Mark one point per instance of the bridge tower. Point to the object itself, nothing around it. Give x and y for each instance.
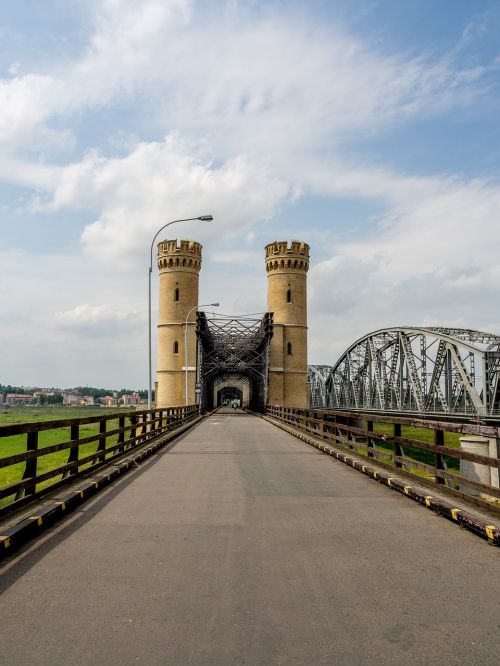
(179, 265)
(286, 267)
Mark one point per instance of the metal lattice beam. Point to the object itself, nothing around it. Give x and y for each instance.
(417, 369)
(316, 378)
(234, 347)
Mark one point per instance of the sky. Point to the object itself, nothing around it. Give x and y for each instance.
(368, 128)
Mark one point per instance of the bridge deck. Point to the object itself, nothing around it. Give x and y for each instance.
(241, 545)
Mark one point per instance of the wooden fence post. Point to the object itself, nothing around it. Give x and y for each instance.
(369, 441)
(121, 435)
(31, 466)
(73, 452)
(398, 449)
(439, 460)
(133, 430)
(101, 447)
(350, 435)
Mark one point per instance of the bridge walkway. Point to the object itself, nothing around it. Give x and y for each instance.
(239, 544)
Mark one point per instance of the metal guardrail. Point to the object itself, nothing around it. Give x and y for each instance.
(492, 418)
(49, 454)
(394, 442)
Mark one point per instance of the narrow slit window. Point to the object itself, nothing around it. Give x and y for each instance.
(176, 347)
(289, 348)
(176, 294)
(289, 296)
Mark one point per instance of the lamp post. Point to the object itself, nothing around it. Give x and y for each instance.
(203, 218)
(206, 305)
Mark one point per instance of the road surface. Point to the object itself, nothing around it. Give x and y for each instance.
(240, 544)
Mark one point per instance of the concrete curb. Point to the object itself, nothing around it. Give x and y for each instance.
(53, 508)
(465, 519)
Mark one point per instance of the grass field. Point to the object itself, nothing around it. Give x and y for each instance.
(451, 439)
(17, 443)
(28, 414)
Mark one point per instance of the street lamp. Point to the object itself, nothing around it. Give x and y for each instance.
(206, 305)
(203, 218)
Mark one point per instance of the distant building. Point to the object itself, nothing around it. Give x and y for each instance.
(43, 392)
(18, 398)
(87, 400)
(130, 399)
(71, 398)
(108, 401)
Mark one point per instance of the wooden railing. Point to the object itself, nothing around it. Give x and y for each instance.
(427, 451)
(38, 457)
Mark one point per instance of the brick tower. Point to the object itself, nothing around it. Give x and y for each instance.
(179, 264)
(286, 268)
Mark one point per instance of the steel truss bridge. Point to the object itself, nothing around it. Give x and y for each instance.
(317, 376)
(234, 349)
(426, 370)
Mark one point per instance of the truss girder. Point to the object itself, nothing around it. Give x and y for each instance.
(492, 371)
(412, 374)
(234, 347)
(466, 385)
(426, 370)
(393, 383)
(378, 376)
(316, 377)
(434, 387)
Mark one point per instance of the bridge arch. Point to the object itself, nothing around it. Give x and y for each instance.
(317, 376)
(230, 387)
(419, 369)
(233, 352)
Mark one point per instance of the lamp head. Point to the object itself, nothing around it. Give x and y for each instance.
(206, 218)
(215, 305)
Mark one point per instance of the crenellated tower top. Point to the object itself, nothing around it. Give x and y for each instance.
(184, 255)
(286, 258)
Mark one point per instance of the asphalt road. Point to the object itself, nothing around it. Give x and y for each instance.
(240, 544)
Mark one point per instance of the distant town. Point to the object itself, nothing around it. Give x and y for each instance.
(79, 396)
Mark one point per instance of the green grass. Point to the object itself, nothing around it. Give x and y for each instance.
(451, 439)
(17, 443)
(29, 414)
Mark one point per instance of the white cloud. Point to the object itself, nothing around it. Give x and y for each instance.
(240, 113)
(120, 59)
(248, 81)
(236, 257)
(98, 319)
(35, 175)
(432, 260)
(57, 329)
(259, 95)
(159, 181)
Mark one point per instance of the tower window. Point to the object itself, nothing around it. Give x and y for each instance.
(176, 294)
(289, 296)
(289, 348)
(176, 347)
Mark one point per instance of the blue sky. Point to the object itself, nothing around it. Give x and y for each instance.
(367, 128)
